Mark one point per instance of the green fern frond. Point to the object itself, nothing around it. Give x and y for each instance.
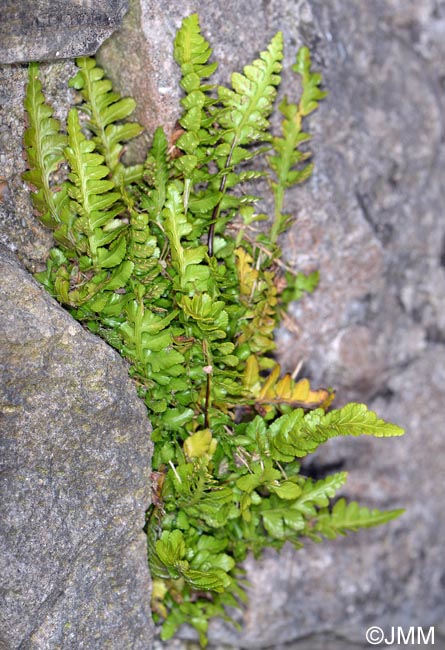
(156, 174)
(280, 521)
(346, 517)
(208, 315)
(148, 343)
(352, 420)
(289, 504)
(311, 81)
(192, 52)
(288, 158)
(249, 103)
(143, 249)
(244, 119)
(260, 296)
(191, 274)
(316, 494)
(94, 199)
(107, 111)
(296, 434)
(45, 146)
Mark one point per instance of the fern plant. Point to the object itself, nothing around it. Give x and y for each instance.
(166, 262)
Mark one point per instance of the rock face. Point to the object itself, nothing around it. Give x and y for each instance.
(371, 220)
(56, 29)
(75, 464)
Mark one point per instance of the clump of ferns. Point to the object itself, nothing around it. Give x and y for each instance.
(145, 257)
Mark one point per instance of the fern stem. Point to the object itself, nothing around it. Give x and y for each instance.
(137, 330)
(217, 208)
(278, 190)
(186, 194)
(207, 404)
(208, 361)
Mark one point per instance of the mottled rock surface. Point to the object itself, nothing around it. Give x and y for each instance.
(75, 468)
(56, 29)
(371, 219)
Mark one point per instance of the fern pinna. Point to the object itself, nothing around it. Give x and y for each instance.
(144, 258)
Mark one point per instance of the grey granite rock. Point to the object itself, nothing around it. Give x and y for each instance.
(371, 219)
(75, 470)
(56, 29)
